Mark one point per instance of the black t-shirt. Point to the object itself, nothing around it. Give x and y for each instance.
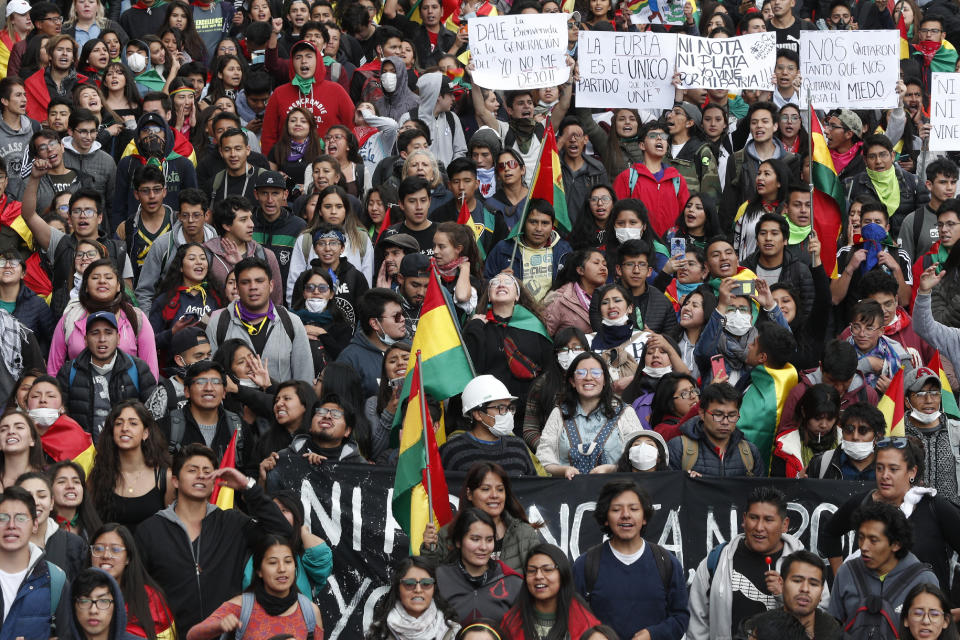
(749, 587)
(424, 237)
(789, 38)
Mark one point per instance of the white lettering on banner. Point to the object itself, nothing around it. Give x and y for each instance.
(744, 62)
(850, 69)
(626, 70)
(945, 112)
(519, 51)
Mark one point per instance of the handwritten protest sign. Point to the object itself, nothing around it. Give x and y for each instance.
(744, 62)
(657, 12)
(621, 69)
(850, 69)
(519, 51)
(945, 112)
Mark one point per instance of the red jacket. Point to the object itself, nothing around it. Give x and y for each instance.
(328, 102)
(580, 619)
(664, 198)
(38, 95)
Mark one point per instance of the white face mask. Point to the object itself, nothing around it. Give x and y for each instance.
(657, 372)
(616, 322)
(44, 416)
(548, 105)
(315, 305)
(925, 418)
(857, 450)
(643, 457)
(247, 382)
(738, 322)
(502, 425)
(388, 81)
(629, 233)
(566, 358)
(137, 62)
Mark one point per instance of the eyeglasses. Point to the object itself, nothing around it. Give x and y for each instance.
(634, 266)
(573, 24)
(722, 417)
(594, 373)
(335, 136)
(508, 164)
(896, 443)
(397, 317)
(920, 394)
(687, 394)
(862, 429)
(862, 330)
(789, 117)
(323, 412)
(327, 243)
(9, 262)
(658, 135)
(565, 350)
(83, 213)
(600, 199)
(59, 19)
(101, 549)
(502, 409)
(315, 288)
(87, 255)
(49, 146)
(546, 570)
(947, 225)
(146, 191)
(19, 518)
(196, 215)
(213, 382)
(101, 603)
(919, 614)
(930, 32)
(85, 132)
(411, 583)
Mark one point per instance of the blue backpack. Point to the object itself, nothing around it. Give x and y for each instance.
(131, 371)
(246, 609)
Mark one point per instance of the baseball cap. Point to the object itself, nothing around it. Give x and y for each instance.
(851, 121)
(915, 379)
(415, 265)
(17, 6)
(102, 315)
(405, 241)
(187, 339)
(270, 179)
(300, 45)
(693, 111)
(151, 119)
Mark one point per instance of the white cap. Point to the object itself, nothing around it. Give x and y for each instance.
(481, 390)
(17, 6)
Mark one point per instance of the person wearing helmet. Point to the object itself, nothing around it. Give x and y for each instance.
(491, 409)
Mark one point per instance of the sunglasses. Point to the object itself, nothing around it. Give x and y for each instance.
(508, 164)
(316, 288)
(397, 317)
(862, 429)
(896, 443)
(411, 583)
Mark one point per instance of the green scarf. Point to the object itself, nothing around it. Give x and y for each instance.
(797, 233)
(522, 318)
(888, 188)
(304, 84)
(941, 257)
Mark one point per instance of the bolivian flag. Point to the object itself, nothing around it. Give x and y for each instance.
(891, 405)
(763, 404)
(413, 505)
(222, 496)
(548, 185)
(447, 7)
(66, 440)
(948, 401)
(446, 365)
(829, 202)
(904, 38)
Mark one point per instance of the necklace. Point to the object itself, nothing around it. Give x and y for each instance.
(136, 478)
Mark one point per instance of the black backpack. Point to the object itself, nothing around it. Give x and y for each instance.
(591, 567)
(223, 323)
(872, 619)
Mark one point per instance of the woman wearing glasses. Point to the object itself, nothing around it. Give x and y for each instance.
(548, 607)
(935, 520)
(412, 609)
(97, 608)
(472, 580)
(113, 550)
(326, 325)
(675, 401)
(590, 427)
(926, 614)
(131, 479)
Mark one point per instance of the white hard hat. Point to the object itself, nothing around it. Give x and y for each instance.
(481, 390)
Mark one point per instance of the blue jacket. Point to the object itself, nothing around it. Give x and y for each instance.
(35, 315)
(708, 463)
(499, 257)
(366, 359)
(29, 615)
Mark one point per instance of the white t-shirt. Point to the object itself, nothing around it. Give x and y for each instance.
(630, 558)
(9, 585)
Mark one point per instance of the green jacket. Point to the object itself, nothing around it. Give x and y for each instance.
(698, 166)
(519, 538)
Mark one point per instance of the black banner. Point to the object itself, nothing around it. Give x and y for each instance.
(349, 507)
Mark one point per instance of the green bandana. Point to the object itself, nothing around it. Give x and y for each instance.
(941, 257)
(304, 84)
(887, 188)
(797, 233)
(328, 60)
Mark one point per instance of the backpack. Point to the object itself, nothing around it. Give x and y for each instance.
(635, 176)
(591, 567)
(246, 610)
(223, 323)
(178, 427)
(691, 451)
(872, 618)
(57, 579)
(131, 372)
(413, 114)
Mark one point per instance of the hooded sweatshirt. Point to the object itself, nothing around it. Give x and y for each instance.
(446, 133)
(158, 259)
(96, 168)
(327, 101)
(399, 103)
(118, 624)
(13, 143)
(179, 172)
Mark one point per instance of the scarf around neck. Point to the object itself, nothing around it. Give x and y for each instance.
(274, 605)
(797, 233)
(304, 84)
(431, 624)
(887, 186)
(296, 150)
(841, 160)
(449, 272)
(254, 322)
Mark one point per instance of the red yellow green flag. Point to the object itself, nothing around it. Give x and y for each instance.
(66, 440)
(948, 401)
(762, 406)
(548, 185)
(222, 496)
(829, 202)
(419, 487)
(891, 405)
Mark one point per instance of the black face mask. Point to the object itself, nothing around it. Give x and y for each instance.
(153, 146)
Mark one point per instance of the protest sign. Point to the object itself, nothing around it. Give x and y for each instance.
(621, 69)
(657, 12)
(349, 506)
(945, 112)
(744, 62)
(850, 69)
(519, 51)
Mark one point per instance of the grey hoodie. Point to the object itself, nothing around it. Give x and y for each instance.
(402, 100)
(118, 624)
(446, 142)
(13, 145)
(158, 259)
(96, 169)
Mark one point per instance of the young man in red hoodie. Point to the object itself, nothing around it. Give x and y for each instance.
(310, 89)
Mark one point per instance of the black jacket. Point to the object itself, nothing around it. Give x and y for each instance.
(226, 423)
(913, 194)
(197, 578)
(79, 397)
(68, 551)
(657, 312)
(35, 314)
(794, 273)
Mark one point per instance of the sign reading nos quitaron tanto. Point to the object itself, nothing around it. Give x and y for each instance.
(850, 69)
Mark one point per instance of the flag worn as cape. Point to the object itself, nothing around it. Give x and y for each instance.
(891, 405)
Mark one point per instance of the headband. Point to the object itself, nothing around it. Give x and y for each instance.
(333, 233)
(480, 625)
(182, 90)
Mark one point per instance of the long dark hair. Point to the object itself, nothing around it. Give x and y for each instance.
(85, 50)
(573, 262)
(569, 399)
(663, 403)
(461, 527)
(192, 42)
(263, 545)
(783, 177)
(385, 391)
(711, 225)
(642, 383)
(278, 154)
(134, 579)
(475, 475)
(35, 457)
(299, 302)
(353, 145)
(217, 89)
(106, 470)
(87, 518)
(950, 633)
(551, 380)
(584, 234)
(173, 277)
(613, 157)
(121, 303)
(524, 610)
(649, 235)
(130, 92)
(378, 628)
(291, 502)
